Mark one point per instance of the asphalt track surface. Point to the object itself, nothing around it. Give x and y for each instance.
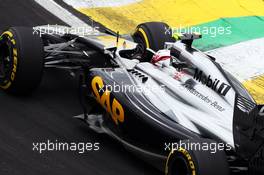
(47, 115)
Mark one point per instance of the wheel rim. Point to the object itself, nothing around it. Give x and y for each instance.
(180, 167)
(5, 60)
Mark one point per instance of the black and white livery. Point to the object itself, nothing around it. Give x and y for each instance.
(151, 91)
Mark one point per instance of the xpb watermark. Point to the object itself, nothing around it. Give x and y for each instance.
(80, 147)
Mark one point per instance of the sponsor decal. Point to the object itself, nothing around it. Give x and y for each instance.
(107, 100)
(219, 87)
(206, 99)
(14, 70)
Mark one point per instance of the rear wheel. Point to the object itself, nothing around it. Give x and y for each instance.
(193, 161)
(21, 60)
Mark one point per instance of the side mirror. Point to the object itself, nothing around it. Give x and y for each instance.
(187, 38)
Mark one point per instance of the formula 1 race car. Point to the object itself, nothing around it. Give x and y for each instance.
(165, 101)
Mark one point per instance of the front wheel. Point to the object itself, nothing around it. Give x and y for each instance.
(152, 35)
(21, 60)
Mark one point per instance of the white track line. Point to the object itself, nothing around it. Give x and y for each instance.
(62, 13)
(244, 60)
(99, 3)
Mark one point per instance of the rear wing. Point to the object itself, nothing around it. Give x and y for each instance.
(248, 127)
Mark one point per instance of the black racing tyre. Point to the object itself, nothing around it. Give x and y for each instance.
(187, 161)
(153, 35)
(21, 60)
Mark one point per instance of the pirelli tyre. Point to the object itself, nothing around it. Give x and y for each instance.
(21, 60)
(153, 35)
(192, 160)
